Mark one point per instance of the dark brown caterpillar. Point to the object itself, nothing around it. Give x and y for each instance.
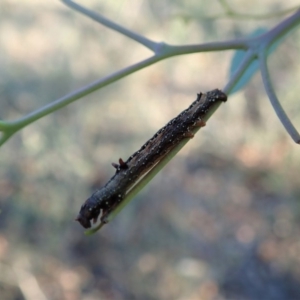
(128, 173)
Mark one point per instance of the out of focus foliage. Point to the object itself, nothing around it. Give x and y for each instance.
(222, 221)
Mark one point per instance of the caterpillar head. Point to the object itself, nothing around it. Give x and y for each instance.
(86, 214)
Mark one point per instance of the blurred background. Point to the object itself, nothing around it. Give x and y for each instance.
(221, 221)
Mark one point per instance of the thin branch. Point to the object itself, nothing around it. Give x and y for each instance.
(237, 44)
(165, 51)
(155, 46)
(277, 32)
(274, 100)
(112, 25)
(3, 125)
(61, 102)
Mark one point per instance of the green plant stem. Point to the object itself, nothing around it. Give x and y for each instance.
(266, 40)
(165, 52)
(274, 100)
(112, 25)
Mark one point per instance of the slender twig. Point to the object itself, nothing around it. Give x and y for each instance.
(165, 51)
(281, 29)
(274, 100)
(112, 25)
(3, 125)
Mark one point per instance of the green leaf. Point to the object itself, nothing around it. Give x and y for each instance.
(254, 66)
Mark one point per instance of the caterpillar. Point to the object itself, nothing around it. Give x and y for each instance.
(130, 171)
